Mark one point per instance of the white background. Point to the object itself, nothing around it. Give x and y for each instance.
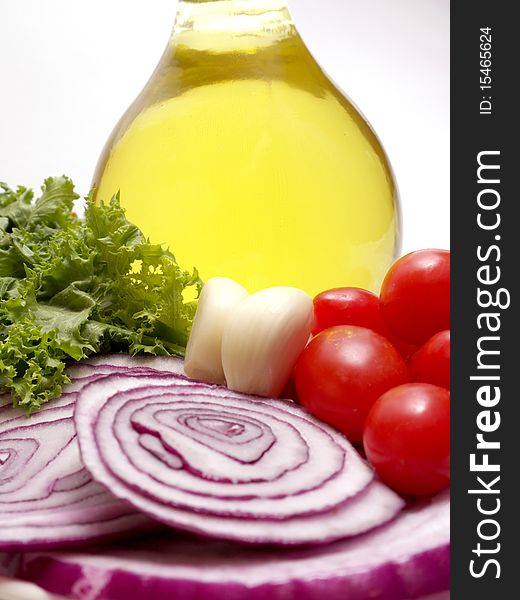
(68, 69)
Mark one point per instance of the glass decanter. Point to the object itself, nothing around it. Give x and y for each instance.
(243, 156)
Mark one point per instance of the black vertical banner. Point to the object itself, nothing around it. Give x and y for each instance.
(485, 200)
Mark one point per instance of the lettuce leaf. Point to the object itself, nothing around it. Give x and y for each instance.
(72, 287)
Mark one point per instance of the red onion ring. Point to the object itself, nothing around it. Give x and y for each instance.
(47, 498)
(408, 558)
(252, 470)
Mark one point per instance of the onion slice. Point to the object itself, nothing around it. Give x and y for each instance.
(105, 364)
(47, 498)
(405, 559)
(223, 464)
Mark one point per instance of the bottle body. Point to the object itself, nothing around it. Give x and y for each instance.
(244, 158)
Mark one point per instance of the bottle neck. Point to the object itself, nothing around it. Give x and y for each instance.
(231, 25)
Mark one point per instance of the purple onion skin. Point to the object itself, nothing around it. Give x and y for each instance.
(406, 559)
(9, 564)
(392, 581)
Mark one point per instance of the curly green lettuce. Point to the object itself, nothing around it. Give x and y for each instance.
(72, 287)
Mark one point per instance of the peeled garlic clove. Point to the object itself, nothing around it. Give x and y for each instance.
(264, 338)
(217, 303)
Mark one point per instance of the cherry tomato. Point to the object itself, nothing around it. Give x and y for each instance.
(348, 306)
(415, 295)
(407, 438)
(343, 371)
(354, 306)
(431, 363)
(404, 348)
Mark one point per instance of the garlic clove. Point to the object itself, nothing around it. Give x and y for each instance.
(264, 338)
(218, 301)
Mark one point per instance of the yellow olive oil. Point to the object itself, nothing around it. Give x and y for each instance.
(243, 157)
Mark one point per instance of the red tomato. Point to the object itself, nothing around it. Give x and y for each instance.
(431, 363)
(347, 306)
(404, 348)
(354, 306)
(415, 295)
(407, 438)
(343, 371)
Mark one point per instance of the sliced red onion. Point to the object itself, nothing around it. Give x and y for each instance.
(405, 559)
(47, 498)
(113, 363)
(9, 564)
(50, 499)
(226, 465)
